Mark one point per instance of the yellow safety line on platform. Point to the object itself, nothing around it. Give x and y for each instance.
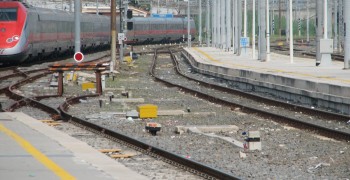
(37, 154)
(277, 70)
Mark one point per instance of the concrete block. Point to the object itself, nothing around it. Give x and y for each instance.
(128, 100)
(171, 112)
(54, 84)
(132, 113)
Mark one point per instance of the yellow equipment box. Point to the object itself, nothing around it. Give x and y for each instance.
(89, 85)
(147, 111)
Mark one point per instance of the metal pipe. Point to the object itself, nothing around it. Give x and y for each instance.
(267, 31)
(347, 34)
(208, 24)
(113, 36)
(228, 24)
(253, 30)
(200, 22)
(77, 42)
(291, 50)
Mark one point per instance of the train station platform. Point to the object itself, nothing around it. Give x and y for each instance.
(29, 149)
(301, 82)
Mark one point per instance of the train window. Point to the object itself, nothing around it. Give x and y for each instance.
(8, 14)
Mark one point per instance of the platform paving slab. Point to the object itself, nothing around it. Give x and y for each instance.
(76, 157)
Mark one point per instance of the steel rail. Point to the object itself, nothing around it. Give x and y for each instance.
(161, 154)
(331, 133)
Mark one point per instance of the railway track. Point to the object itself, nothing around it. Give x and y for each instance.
(325, 131)
(61, 113)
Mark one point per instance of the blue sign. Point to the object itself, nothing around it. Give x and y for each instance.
(244, 42)
(162, 15)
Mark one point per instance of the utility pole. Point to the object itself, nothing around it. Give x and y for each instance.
(287, 20)
(113, 36)
(70, 5)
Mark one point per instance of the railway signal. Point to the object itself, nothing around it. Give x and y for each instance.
(78, 57)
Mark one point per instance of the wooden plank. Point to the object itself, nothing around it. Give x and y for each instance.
(109, 150)
(53, 124)
(47, 120)
(122, 155)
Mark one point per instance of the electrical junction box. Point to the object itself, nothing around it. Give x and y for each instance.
(147, 111)
(326, 46)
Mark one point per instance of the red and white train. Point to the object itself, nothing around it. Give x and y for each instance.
(28, 32)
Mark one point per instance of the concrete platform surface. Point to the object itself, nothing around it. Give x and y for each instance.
(324, 86)
(29, 149)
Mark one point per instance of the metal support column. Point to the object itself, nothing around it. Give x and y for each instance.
(233, 26)
(329, 19)
(262, 31)
(239, 25)
(98, 82)
(319, 30)
(97, 7)
(208, 24)
(287, 20)
(113, 36)
(200, 23)
(218, 22)
(223, 25)
(188, 25)
(60, 83)
(228, 25)
(267, 31)
(308, 21)
(253, 30)
(335, 42)
(77, 42)
(214, 27)
(341, 26)
(245, 19)
(291, 41)
(347, 34)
